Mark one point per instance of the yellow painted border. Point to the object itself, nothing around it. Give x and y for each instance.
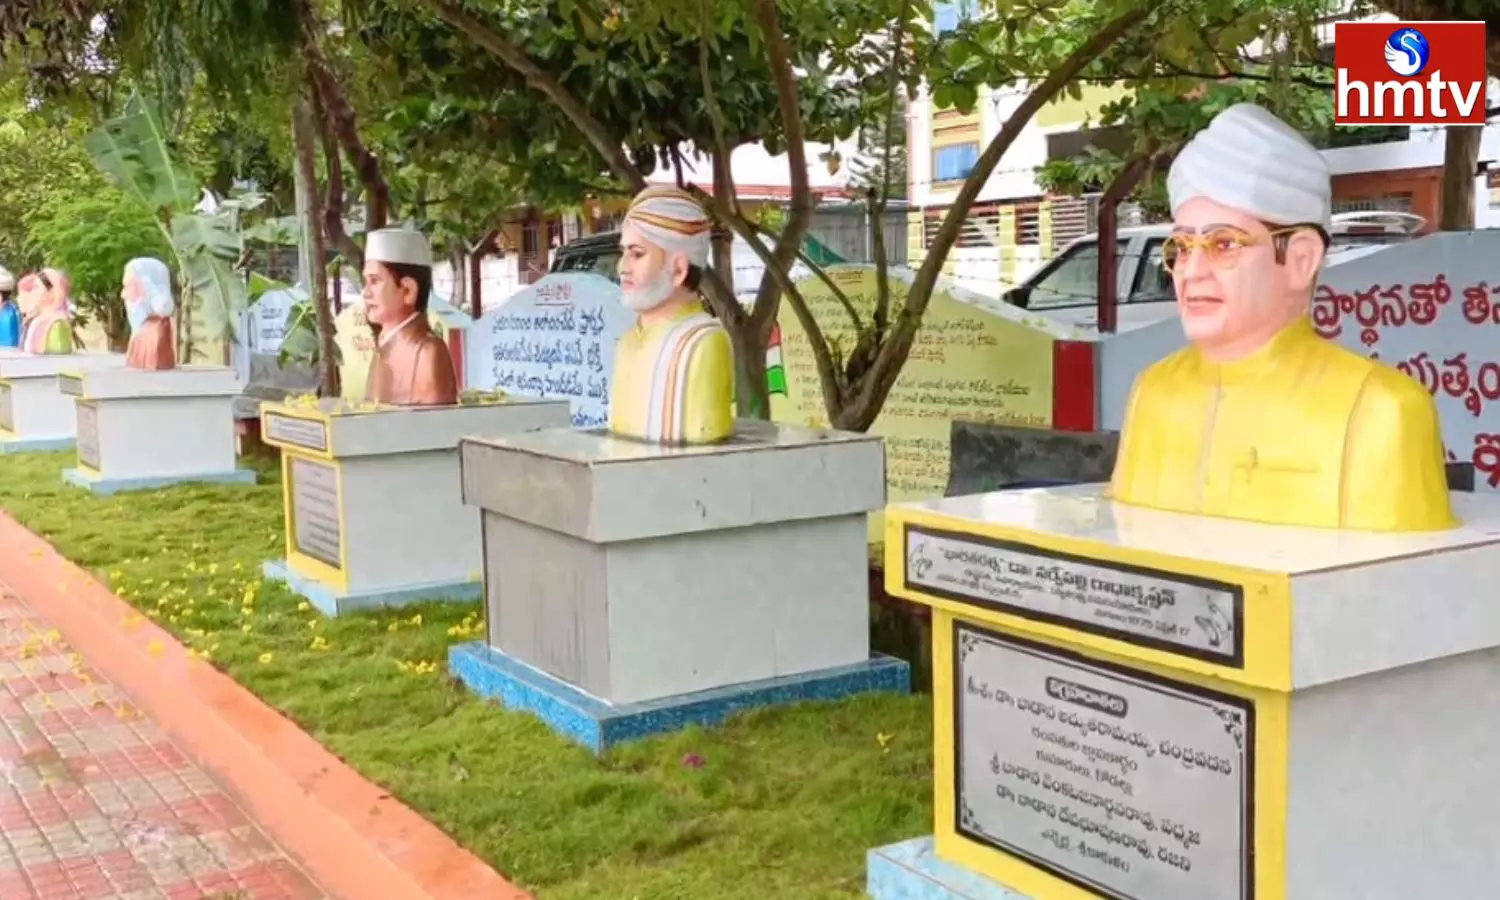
(1269, 788)
(1267, 615)
(302, 564)
(297, 412)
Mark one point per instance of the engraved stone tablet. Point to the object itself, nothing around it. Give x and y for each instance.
(88, 435)
(70, 385)
(297, 432)
(7, 410)
(315, 510)
(1182, 614)
(1133, 787)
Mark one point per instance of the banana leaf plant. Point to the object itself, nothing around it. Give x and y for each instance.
(300, 343)
(132, 150)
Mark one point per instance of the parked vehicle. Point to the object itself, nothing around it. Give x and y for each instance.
(1067, 287)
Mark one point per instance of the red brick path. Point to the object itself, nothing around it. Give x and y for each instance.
(97, 803)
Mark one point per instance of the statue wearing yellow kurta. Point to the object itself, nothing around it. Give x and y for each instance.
(674, 371)
(1259, 418)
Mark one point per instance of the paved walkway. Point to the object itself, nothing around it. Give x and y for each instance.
(97, 803)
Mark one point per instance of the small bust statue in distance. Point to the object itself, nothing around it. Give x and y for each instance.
(46, 313)
(412, 366)
(674, 370)
(1259, 418)
(147, 292)
(10, 313)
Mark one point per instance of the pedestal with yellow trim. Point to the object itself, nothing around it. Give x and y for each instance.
(139, 429)
(34, 415)
(1144, 705)
(374, 512)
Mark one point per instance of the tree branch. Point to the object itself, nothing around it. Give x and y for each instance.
(799, 213)
(893, 352)
(722, 150)
(608, 146)
(340, 115)
(881, 317)
(333, 210)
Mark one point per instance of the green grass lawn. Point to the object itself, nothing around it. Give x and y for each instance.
(778, 803)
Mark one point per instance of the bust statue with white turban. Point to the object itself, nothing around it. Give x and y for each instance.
(147, 292)
(1259, 418)
(411, 366)
(674, 371)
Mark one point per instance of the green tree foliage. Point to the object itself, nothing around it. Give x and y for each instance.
(91, 238)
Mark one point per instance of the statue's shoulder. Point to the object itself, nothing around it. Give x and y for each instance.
(1395, 394)
(1176, 365)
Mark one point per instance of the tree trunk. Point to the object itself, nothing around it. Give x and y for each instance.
(304, 136)
(1460, 169)
(458, 256)
(752, 394)
(339, 113)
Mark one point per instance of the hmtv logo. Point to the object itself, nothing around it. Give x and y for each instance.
(1409, 73)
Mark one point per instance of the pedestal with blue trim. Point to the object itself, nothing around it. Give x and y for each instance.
(632, 588)
(35, 417)
(374, 514)
(142, 429)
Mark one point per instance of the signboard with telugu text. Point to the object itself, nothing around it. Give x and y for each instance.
(974, 359)
(1431, 308)
(553, 339)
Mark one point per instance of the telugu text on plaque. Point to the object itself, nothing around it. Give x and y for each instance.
(1191, 616)
(7, 410)
(1135, 788)
(307, 433)
(315, 510)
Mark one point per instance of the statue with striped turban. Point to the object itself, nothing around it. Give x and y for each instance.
(674, 371)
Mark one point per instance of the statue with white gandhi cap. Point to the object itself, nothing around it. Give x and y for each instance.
(674, 371)
(412, 366)
(1259, 418)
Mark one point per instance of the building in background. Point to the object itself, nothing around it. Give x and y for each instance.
(1015, 226)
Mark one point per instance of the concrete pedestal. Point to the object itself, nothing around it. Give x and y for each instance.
(140, 429)
(34, 415)
(1152, 706)
(374, 515)
(633, 588)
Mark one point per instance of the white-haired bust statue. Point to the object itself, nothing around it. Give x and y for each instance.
(147, 292)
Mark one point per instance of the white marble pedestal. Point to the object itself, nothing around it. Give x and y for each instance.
(633, 588)
(34, 415)
(141, 429)
(1153, 706)
(374, 513)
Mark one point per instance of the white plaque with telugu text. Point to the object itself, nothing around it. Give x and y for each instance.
(316, 530)
(1128, 785)
(7, 409)
(1191, 616)
(88, 434)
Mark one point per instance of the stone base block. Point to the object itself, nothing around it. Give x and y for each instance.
(105, 486)
(17, 444)
(332, 602)
(598, 725)
(911, 870)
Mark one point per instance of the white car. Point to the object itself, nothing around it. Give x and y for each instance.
(1067, 287)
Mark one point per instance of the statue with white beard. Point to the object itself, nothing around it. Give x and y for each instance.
(674, 371)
